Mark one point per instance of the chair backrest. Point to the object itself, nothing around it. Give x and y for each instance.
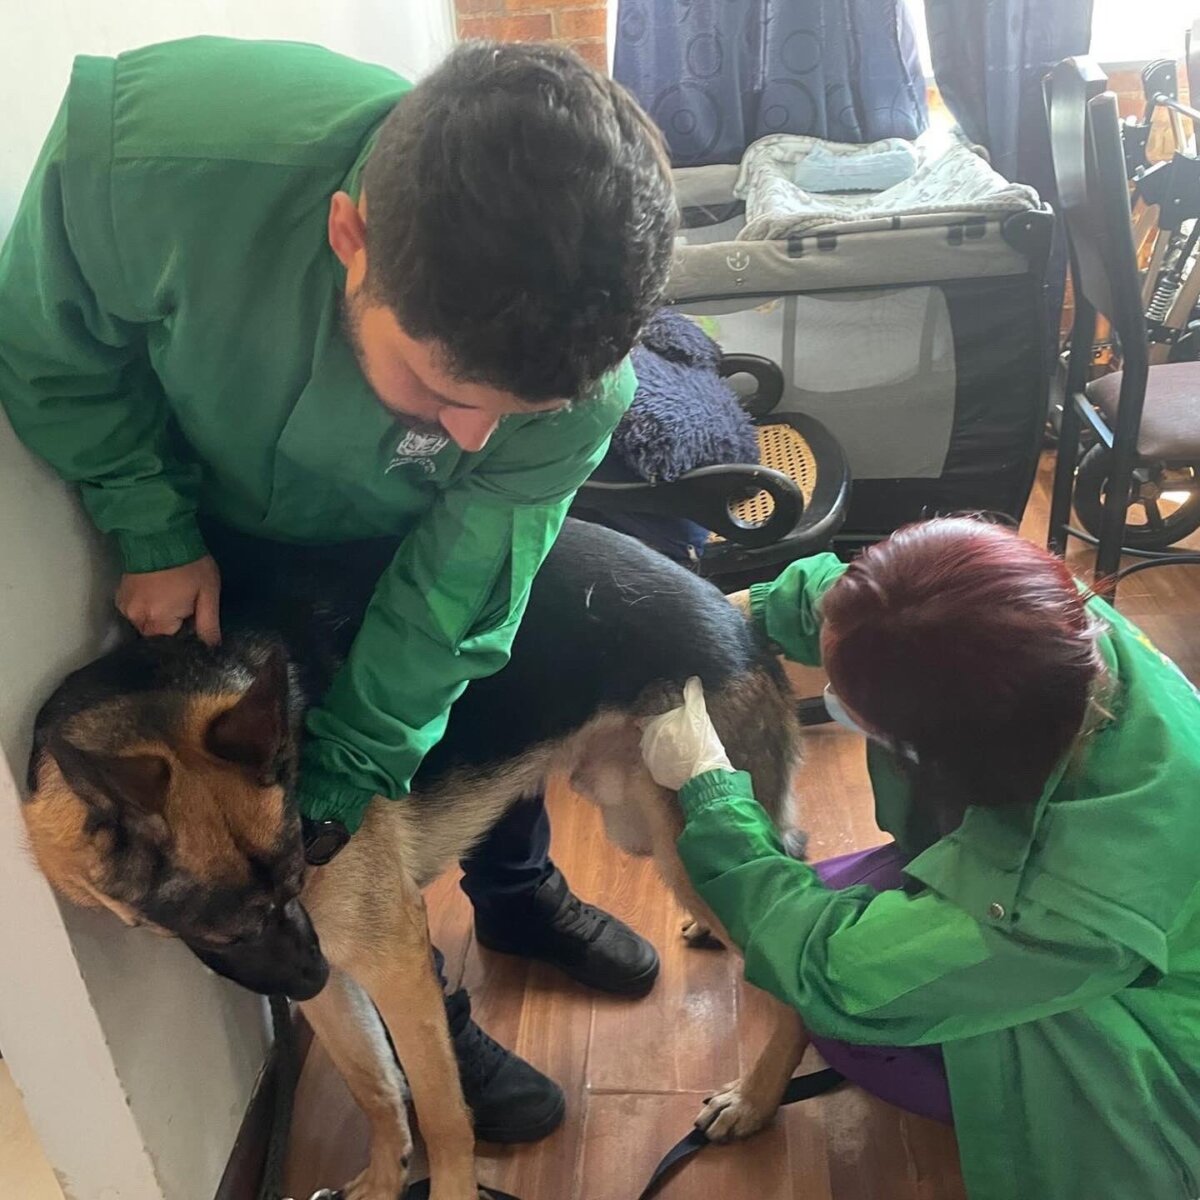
(1192, 50)
(1093, 193)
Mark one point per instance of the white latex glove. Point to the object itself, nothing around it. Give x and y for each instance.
(740, 601)
(682, 743)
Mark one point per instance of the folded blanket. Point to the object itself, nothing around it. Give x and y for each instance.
(684, 415)
(672, 336)
(949, 178)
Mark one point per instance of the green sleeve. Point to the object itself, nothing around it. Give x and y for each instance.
(883, 968)
(76, 381)
(787, 609)
(447, 609)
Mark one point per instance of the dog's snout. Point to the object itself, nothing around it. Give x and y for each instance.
(303, 950)
(284, 959)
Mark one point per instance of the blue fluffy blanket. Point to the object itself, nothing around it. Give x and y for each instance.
(684, 414)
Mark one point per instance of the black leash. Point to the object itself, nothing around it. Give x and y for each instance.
(417, 1191)
(287, 1073)
(420, 1191)
(286, 1068)
(802, 1087)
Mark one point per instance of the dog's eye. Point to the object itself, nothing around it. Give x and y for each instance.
(220, 940)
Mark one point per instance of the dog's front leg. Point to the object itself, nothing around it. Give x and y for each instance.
(746, 1106)
(345, 1020)
(394, 963)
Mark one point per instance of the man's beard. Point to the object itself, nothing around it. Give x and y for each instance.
(350, 312)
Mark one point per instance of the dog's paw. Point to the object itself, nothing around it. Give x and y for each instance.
(730, 1115)
(700, 937)
(380, 1181)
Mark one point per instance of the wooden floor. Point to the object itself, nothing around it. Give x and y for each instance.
(636, 1072)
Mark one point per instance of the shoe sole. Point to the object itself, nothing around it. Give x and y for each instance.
(534, 1133)
(636, 985)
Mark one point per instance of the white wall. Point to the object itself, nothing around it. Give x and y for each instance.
(135, 1062)
(39, 38)
(1126, 32)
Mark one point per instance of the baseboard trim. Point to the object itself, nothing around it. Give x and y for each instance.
(243, 1171)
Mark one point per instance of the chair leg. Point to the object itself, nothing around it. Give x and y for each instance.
(1079, 358)
(1116, 507)
(811, 710)
(1064, 478)
(1126, 428)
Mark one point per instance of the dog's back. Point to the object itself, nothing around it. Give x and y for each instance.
(613, 627)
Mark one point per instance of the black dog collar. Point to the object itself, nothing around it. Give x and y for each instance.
(323, 840)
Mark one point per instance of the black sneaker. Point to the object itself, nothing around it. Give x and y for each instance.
(590, 946)
(509, 1100)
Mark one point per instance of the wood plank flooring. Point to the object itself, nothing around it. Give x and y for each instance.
(636, 1072)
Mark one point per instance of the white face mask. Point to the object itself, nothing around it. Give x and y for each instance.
(837, 710)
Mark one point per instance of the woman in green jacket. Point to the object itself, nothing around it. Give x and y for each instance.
(1024, 957)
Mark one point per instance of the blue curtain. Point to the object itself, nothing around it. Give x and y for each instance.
(989, 57)
(717, 74)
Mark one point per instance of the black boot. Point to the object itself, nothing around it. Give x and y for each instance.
(590, 946)
(509, 1100)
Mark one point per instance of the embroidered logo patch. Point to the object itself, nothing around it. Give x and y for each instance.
(418, 449)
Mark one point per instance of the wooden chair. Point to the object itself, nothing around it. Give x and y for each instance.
(762, 516)
(1148, 419)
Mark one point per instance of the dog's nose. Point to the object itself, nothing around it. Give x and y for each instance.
(285, 959)
(300, 952)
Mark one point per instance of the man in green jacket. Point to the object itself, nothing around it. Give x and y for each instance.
(1024, 958)
(262, 286)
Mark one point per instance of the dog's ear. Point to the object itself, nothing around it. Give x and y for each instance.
(253, 731)
(114, 782)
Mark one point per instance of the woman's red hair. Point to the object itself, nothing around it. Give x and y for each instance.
(970, 645)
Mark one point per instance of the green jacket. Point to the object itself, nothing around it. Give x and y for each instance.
(170, 341)
(1053, 950)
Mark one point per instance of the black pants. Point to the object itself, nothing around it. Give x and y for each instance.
(506, 868)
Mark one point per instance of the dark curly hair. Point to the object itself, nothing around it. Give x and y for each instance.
(520, 213)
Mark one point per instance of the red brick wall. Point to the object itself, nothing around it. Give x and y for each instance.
(1127, 84)
(580, 24)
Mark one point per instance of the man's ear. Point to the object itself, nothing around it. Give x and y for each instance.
(347, 229)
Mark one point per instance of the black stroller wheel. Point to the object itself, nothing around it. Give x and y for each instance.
(1162, 511)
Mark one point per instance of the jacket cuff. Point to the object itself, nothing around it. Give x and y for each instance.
(712, 788)
(759, 594)
(142, 552)
(321, 798)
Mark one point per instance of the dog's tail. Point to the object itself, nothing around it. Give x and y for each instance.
(756, 719)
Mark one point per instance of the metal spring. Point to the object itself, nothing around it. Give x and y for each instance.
(1160, 302)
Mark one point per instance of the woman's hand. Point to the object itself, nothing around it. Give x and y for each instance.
(156, 603)
(682, 743)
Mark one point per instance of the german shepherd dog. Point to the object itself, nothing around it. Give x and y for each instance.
(161, 778)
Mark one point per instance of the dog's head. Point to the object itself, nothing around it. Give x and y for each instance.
(171, 809)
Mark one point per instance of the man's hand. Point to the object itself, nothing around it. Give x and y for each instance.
(156, 603)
